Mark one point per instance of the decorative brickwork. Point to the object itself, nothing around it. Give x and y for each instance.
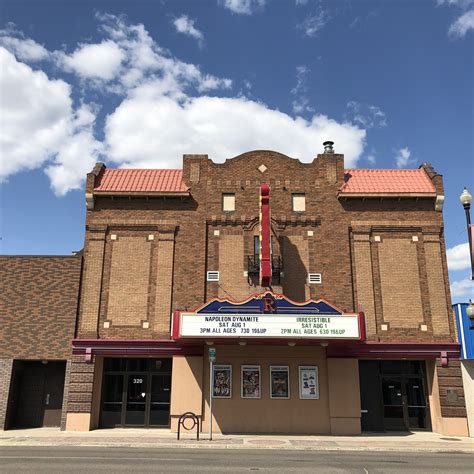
(435, 278)
(232, 283)
(129, 279)
(80, 386)
(364, 281)
(451, 392)
(67, 379)
(38, 306)
(400, 281)
(5, 377)
(164, 283)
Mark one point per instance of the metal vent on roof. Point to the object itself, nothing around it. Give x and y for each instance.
(212, 276)
(314, 278)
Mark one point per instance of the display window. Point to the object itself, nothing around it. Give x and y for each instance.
(309, 383)
(250, 381)
(279, 382)
(222, 381)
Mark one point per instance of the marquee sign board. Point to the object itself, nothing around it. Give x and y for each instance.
(268, 316)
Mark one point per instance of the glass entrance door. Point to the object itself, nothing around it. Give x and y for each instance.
(404, 402)
(136, 392)
(393, 404)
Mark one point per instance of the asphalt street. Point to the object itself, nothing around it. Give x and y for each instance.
(85, 459)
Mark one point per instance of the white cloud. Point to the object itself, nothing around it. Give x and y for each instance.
(366, 115)
(95, 61)
(458, 257)
(301, 103)
(144, 133)
(25, 49)
(314, 22)
(185, 25)
(38, 123)
(371, 159)
(458, 3)
(165, 111)
(243, 7)
(462, 25)
(403, 158)
(462, 290)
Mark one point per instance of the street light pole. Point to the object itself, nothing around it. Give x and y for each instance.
(466, 200)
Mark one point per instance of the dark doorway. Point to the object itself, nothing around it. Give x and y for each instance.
(393, 396)
(36, 394)
(136, 392)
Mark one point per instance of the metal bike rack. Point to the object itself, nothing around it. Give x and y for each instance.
(189, 415)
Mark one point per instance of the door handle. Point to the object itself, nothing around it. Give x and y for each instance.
(47, 398)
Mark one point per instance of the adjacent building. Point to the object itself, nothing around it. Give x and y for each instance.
(323, 290)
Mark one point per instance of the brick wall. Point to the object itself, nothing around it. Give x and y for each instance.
(5, 377)
(38, 306)
(451, 392)
(129, 280)
(387, 279)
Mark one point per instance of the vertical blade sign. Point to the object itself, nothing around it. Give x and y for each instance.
(265, 251)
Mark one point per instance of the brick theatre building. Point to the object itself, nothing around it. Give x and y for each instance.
(323, 290)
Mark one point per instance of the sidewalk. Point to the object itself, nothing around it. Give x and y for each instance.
(156, 438)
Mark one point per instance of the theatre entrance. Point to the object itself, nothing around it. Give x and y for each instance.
(393, 396)
(136, 393)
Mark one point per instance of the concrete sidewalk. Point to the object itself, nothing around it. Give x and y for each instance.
(160, 438)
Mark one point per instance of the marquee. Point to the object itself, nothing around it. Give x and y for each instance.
(268, 316)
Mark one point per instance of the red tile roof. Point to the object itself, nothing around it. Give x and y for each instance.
(141, 180)
(359, 181)
(380, 181)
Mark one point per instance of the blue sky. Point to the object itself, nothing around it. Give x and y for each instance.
(140, 83)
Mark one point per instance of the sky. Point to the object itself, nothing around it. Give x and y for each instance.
(140, 83)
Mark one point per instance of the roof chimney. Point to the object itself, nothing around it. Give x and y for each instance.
(328, 147)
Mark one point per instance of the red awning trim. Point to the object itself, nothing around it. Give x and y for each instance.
(154, 347)
(396, 350)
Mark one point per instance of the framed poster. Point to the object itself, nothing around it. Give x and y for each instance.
(279, 381)
(222, 381)
(250, 381)
(309, 383)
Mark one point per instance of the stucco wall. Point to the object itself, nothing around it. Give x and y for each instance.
(293, 415)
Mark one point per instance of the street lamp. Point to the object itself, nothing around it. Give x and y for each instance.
(466, 199)
(470, 313)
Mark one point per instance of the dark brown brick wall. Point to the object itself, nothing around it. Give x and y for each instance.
(451, 392)
(5, 377)
(38, 306)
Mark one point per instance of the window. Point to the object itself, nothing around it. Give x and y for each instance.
(299, 202)
(228, 202)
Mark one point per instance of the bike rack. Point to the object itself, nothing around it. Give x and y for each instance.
(189, 415)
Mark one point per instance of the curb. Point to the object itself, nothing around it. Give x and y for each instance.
(450, 449)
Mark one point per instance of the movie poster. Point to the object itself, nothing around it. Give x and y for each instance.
(309, 385)
(279, 382)
(250, 382)
(222, 382)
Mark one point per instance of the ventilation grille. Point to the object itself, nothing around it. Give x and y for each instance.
(314, 278)
(212, 276)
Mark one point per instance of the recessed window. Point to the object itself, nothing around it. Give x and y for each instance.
(228, 202)
(299, 202)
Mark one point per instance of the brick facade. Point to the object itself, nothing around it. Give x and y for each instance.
(38, 311)
(147, 256)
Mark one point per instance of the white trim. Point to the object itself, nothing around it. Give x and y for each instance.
(461, 326)
(280, 368)
(244, 367)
